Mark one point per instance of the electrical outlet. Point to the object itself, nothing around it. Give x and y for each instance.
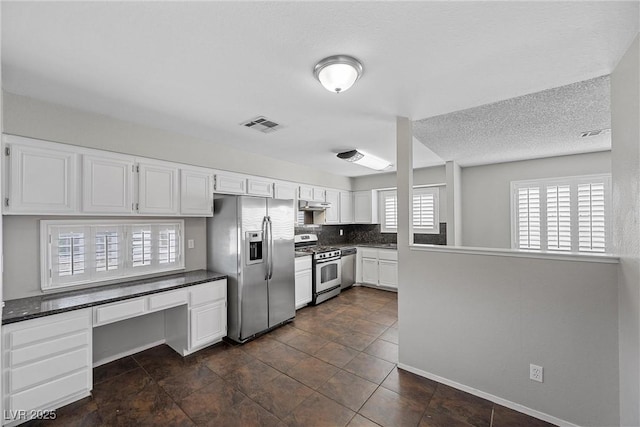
(191, 244)
(536, 373)
(341, 232)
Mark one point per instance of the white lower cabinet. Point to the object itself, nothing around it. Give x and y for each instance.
(207, 324)
(303, 281)
(47, 363)
(379, 267)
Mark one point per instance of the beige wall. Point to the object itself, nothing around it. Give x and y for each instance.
(486, 201)
(625, 159)
(38, 119)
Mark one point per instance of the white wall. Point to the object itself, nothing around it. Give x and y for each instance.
(21, 274)
(486, 210)
(625, 159)
(38, 119)
(480, 320)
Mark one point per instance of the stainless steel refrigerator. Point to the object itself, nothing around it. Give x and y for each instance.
(250, 239)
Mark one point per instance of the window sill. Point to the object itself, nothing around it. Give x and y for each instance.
(579, 257)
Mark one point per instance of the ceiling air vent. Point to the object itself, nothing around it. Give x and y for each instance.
(262, 124)
(595, 132)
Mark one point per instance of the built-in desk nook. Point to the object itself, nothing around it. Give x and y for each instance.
(48, 341)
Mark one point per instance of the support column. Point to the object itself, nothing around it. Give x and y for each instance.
(404, 177)
(454, 203)
(625, 174)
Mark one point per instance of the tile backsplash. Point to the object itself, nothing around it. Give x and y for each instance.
(366, 233)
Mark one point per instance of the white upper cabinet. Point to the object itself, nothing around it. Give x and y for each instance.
(319, 194)
(196, 192)
(305, 193)
(107, 184)
(42, 176)
(285, 190)
(365, 207)
(259, 187)
(332, 213)
(346, 207)
(230, 183)
(157, 188)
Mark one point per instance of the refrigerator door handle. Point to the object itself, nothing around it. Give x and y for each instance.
(265, 245)
(270, 247)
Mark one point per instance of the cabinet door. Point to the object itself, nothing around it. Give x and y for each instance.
(230, 184)
(303, 288)
(196, 194)
(256, 187)
(107, 184)
(365, 207)
(305, 193)
(285, 191)
(208, 324)
(42, 180)
(157, 189)
(370, 271)
(388, 273)
(332, 213)
(346, 207)
(319, 195)
(362, 207)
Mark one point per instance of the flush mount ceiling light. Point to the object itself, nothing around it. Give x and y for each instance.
(363, 159)
(338, 73)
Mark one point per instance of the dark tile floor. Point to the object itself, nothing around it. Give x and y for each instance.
(335, 365)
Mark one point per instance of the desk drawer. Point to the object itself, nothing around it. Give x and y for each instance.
(118, 311)
(44, 349)
(31, 331)
(167, 299)
(46, 394)
(36, 373)
(208, 292)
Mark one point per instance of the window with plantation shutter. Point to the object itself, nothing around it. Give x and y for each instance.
(80, 252)
(529, 218)
(562, 214)
(424, 210)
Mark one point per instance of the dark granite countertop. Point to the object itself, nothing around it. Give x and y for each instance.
(369, 245)
(44, 305)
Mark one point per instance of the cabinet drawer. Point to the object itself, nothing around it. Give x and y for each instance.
(167, 299)
(368, 252)
(388, 255)
(51, 392)
(209, 292)
(119, 311)
(61, 324)
(42, 350)
(303, 263)
(35, 373)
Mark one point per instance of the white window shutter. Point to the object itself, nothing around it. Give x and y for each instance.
(390, 210)
(529, 218)
(591, 217)
(559, 217)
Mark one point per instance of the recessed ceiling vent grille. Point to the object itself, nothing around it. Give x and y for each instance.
(596, 132)
(262, 124)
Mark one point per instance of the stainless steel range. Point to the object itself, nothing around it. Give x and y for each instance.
(326, 267)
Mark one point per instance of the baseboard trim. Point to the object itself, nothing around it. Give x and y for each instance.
(495, 399)
(127, 353)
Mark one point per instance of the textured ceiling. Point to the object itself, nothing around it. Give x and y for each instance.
(542, 124)
(201, 68)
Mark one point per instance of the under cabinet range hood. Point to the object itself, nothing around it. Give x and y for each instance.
(309, 206)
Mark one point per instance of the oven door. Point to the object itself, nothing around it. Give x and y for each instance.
(328, 274)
